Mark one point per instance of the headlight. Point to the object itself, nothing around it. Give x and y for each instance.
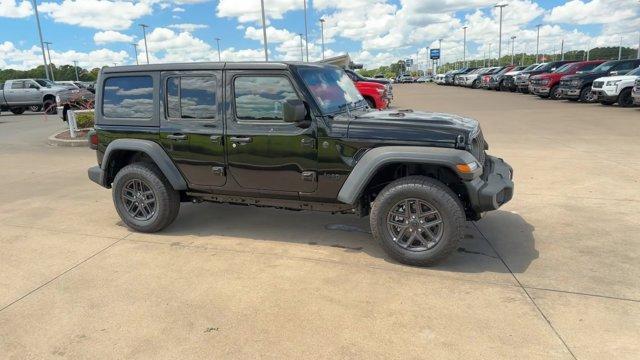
(613, 82)
(576, 82)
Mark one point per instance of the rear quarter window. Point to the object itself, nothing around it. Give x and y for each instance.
(128, 97)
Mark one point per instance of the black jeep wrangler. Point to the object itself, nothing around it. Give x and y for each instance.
(295, 136)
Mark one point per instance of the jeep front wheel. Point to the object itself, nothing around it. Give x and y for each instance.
(417, 220)
(144, 198)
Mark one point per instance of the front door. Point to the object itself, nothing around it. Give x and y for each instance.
(191, 127)
(264, 152)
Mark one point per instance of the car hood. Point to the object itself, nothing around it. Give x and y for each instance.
(585, 76)
(631, 78)
(412, 126)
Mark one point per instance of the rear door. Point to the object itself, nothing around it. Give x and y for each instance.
(264, 152)
(15, 93)
(191, 126)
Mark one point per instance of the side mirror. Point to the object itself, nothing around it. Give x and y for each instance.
(614, 73)
(294, 111)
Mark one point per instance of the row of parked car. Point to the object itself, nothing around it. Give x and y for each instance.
(607, 82)
(20, 95)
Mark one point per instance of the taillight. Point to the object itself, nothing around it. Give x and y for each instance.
(93, 140)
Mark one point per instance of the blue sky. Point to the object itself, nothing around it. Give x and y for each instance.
(374, 32)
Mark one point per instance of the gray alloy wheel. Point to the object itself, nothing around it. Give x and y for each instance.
(415, 224)
(35, 108)
(139, 199)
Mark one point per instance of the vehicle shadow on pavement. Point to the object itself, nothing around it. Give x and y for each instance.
(509, 233)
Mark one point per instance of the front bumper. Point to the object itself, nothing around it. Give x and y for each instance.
(540, 90)
(493, 188)
(569, 92)
(604, 95)
(96, 174)
(635, 95)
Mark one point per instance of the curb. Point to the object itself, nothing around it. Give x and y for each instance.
(80, 142)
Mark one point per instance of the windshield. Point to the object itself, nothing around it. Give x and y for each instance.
(564, 68)
(635, 72)
(43, 82)
(530, 67)
(331, 88)
(604, 67)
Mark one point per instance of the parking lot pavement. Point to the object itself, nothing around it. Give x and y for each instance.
(554, 274)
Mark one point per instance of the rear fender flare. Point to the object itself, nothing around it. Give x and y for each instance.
(151, 149)
(375, 159)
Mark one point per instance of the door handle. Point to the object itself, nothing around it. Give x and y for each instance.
(215, 138)
(177, 137)
(241, 139)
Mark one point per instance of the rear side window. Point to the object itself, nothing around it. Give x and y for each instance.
(627, 65)
(128, 97)
(261, 97)
(191, 97)
(17, 85)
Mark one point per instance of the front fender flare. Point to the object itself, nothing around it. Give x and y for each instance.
(151, 149)
(374, 159)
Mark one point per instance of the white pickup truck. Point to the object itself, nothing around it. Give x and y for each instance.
(616, 89)
(21, 94)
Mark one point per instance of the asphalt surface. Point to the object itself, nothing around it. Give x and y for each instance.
(555, 274)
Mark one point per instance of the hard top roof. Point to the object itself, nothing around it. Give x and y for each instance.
(209, 66)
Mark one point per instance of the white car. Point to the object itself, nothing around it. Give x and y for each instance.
(473, 78)
(439, 79)
(616, 89)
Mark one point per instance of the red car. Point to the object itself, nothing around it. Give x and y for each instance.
(547, 85)
(375, 94)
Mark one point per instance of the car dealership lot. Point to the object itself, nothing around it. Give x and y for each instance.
(554, 274)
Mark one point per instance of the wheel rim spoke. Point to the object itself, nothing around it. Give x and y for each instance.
(415, 224)
(139, 199)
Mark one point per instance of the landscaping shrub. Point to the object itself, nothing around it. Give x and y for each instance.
(85, 120)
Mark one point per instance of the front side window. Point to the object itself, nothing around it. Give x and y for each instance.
(128, 97)
(261, 97)
(588, 67)
(604, 67)
(191, 97)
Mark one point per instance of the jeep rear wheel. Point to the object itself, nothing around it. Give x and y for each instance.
(417, 220)
(144, 198)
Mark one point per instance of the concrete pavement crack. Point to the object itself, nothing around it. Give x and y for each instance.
(544, 316)
(63, 273)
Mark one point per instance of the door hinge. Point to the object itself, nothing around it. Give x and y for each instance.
(309, 175)
(217, 170)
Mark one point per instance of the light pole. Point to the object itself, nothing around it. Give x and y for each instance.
(218, 45)
(301, 49)
(44, 57)
(322, 34)
(75, 67)
(306, 32)
(500, 6)
(513, 48)
(144, 34)
(538, 43)
(464, 50)
(50, 64)
(638, 45)
(489, 54)
(619, 50)
(135, 51)
(562, 50)
(264, 32)
(440, 47)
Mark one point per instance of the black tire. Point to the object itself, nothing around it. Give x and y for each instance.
(370, 103)
(167, 200)
(607, 103)
(625, 99)
(586, 95)
(49, 107)
(18, 111)
(475, 84)
(554, 93)
(440, 198)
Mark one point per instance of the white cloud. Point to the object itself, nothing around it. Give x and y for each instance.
(593, 12)
(178, 9)
(15, 9)
(110, 36)
(97, 14)
(273, 35)
(249, 10)
(188, 27)
(24, 59)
